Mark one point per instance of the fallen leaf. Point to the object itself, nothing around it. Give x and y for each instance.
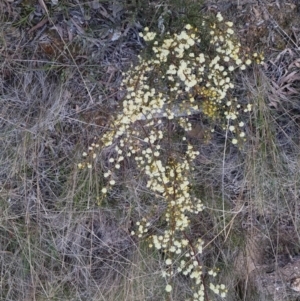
(295, 63)
(37, 26)
(290, 89)
(116, 35)
(293, 76)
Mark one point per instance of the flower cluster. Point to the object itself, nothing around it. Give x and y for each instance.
(180, 78)
(218, 289)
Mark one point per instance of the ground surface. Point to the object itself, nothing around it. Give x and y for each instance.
(60, 74)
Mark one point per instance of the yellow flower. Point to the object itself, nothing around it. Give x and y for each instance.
(168, 261)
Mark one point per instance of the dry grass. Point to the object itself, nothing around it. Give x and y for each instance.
(60, 240)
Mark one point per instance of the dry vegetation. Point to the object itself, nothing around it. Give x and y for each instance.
(61, 65)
